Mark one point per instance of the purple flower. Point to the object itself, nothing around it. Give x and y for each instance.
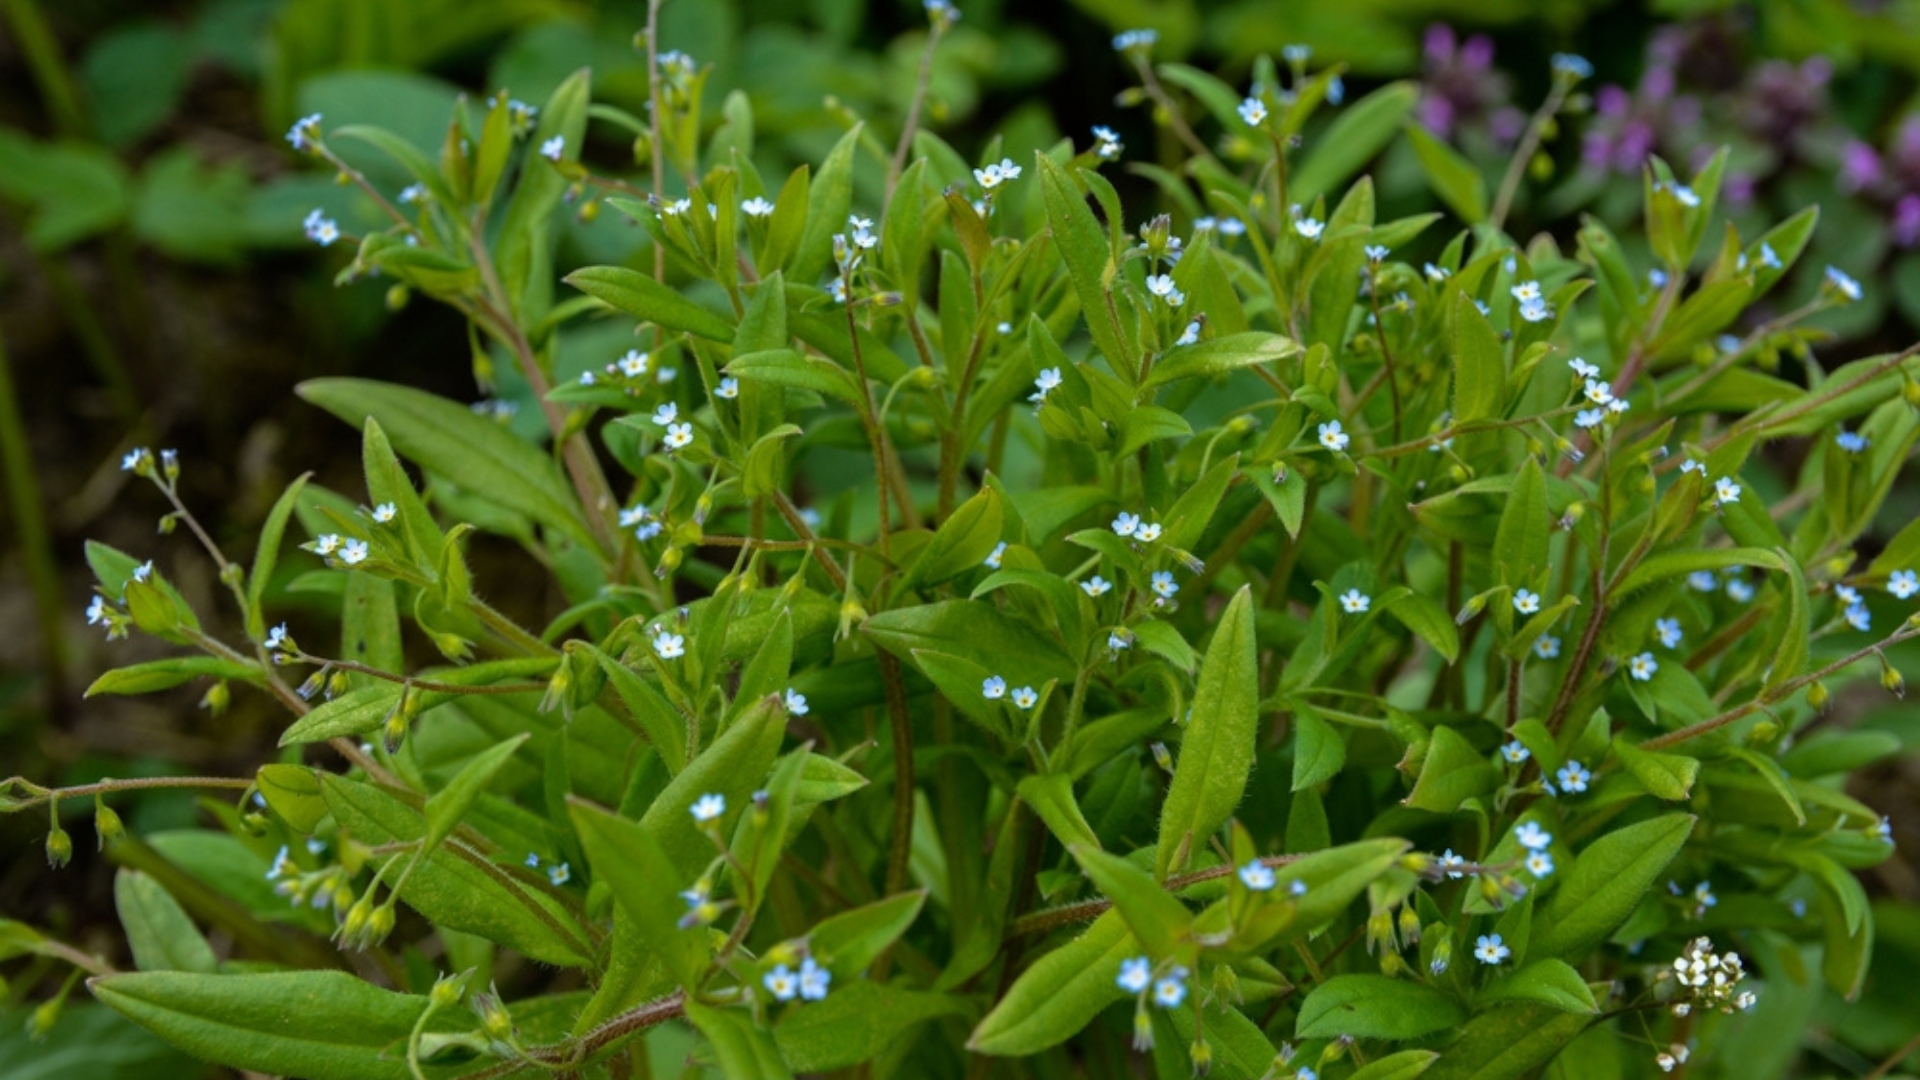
(1860, 167)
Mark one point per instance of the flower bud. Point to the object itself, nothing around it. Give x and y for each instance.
(1380, 931)
(59, 847)
(107, 826)
(1391, 965)
(1202, 1056)
(1911, 391)
(590, 211)
(394, 730)
(1890, 678)
(1162, 756)
(1409, 925)
(380, 923)
(217, 697)
(448, 990)
(493, 1015)
(41, 1022)
(397, 297)
(354, 926)
(1442, 957)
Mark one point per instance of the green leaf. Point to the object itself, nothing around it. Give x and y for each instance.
(454, 886)
(1790, 656)
(1545, 982)
(1452, 177)
(1216, 751)
(478, 455)
(740, 1047)
(849, 943)
(1424, 616)
(321, 1025)
(1672, 564)
(266, 553)
(158, 930)
(1165, 640)
(387, 482)
(766, 462)
(828, 199)
(1084, 247)
(1666, 776)
(293, 791)
(1162, 923)
(1404, 1065)
(1507, 1042)
(1479, 364)
(1060, 994)
(785, 367)
(733, 767)
(962, 543)
(856, 1023)
(1219, 356)
(639, 295)
(166, 674)
(646, 886)
(1149, 424)
(975, 631)
(1288, 496)
(1375, 1007)
(1362, 130)
(1319, 753)
(1521, 547)
(1051, 796)
(1188, 517)
(450, 804)
(355, 712)
(666, 729)
(1452, 773)
(1606, 883)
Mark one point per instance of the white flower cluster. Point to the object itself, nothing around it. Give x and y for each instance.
(1710, 980)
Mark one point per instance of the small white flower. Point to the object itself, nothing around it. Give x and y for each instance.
(1535, 311)
(993, 557)
(1584, 370)
(136, 459)
(1526, 603)
(669, 646)
(1257, 876)
(1169, 992)
(385, 512)
(1135, 39)
(1048, 381)
(1539, 864)
(98, 609)
(1573, 777)
(559, 874)
(1690, 465)
(1333, 438)
(1253, 111)
(795, 701)
(729, 388)
(587, 379)
(320, 228)
(1025, 697)
(1136, 974)
(1106, 143)
(1669, 632)
(1739, 591)
(1190, 335)
(1589, 418)
(757, 207)
(1839, 282)
(1355, 602)
(304, 135)
(1448, 862)
(709, 807)
(1488, 950)
(353, 552)
(679, 436)
(781, 983)
(666, 414)
(994, 175)
(1161, 285)
(993, 688)
(1903, 583)
(1526, 291)
(1642, 667)
(1309, 228)
(1725, 490)
(1532, 836)
(1118, 640)
(1547, 647)
(1703, 581)
(1376, 252)
(1163, 584)
(1436, 273)
(553, 148)
(634, 364)
(1515, 753)
(1126, 524)
(1096, 586)
(634, 515)
(277, 638)
(1859, 617)
(1598, 392)
(1147, 533)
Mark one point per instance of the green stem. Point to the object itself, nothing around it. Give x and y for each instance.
(36, 543)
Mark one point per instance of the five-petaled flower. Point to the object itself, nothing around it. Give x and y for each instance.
(1584, 370)
(1573, 777)
(1136, 974)
(304, 135)
(1257, 876)
(1525, 602)
(1669, 632)
(1838, 280)
(1025, 697)
(353, 552)
(666, 414)
(1355, 602)
(1106, 143)
(708, 807)
(1725, 490)
(795, 701)
(1539, 864)
(813, 980)
(781, 983)
(277, 638)
(993, 175)
(1170, 991)
(320, 228)
(1859, 617)
(1488, 949)
(1161, 285)
(1547, 648)
(1532, 836)
(679, 436)
(1164, 585)
(1903, 583)
(757, 207)
(1514, 752)
(1148, 532)
(993, 688)
(1449, 861)
(1126, 524)
(1333, 438)
(669, 646)
(1310, 228)
(1642, 667)
(1048, 381)
(385, 512)
(1851, 441)
(1253, 111)
(553, 148)
(1096, 586)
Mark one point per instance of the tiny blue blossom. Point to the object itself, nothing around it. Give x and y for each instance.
(1573, 777)
(795, 702)
(993, 557)
(1253, 111)
(1525, 602)
(1514, 752)
(1164, 585)
(1642, 667)
(1025, 697)
(708, 807)
(1332, 437)
(1532, 837)
(1488, 950)
(1839, 282)
(814, 980)
(1547, 647)
(993, 688)
(1703, 581)
(1903, 583)
(1573, 65)
(1096, 586)
(1669, 632)
(1851, 441)
(1257, 876)
(552, 149)
(1859, 617)
(1136, 974)
(1355, 602)
(1130, 40)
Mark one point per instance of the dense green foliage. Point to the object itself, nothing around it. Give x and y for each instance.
(1002, 633)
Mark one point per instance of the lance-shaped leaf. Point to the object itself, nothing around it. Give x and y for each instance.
(165, 674)
(1217, 749)
(1218, 356)
(1520, 548)
(733, 767)
(1162, 923)
(161, 935)
(1507, 1042)
(962, 543)
(645, 885)
(856, 1023)
(1051, 796)
(1606, 883)
(1546, 982)
(640, 296)
(1375, 1007)
(742, 1049)
(324, 1025)
(849, 943)
(1479, 364)
(450, 804)
(1084, 248)
(1060, 994)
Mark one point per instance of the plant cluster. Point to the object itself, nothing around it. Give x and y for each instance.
(1266, 637)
